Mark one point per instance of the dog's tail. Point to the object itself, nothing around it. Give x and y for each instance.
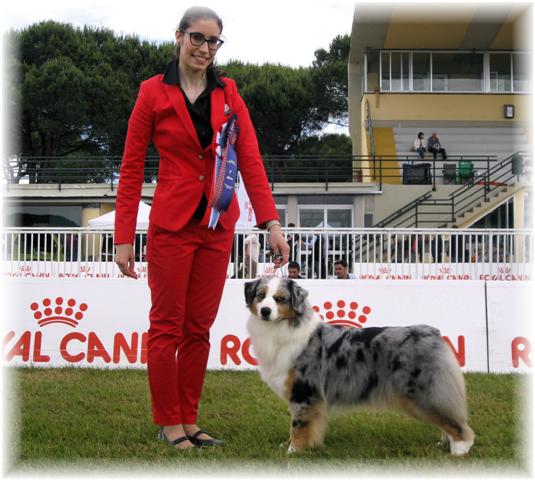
(448, 395)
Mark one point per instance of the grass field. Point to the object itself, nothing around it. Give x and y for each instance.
(100, 419)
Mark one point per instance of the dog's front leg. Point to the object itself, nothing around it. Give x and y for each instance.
(309, 421)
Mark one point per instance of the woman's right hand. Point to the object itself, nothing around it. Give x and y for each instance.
(125, 259)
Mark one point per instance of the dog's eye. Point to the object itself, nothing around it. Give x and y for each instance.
(261, 296)
(280, 299)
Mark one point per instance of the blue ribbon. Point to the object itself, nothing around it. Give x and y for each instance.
(225, 171)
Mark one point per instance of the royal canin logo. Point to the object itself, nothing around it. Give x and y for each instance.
(68, 312)
(343, 313)
(505, 270)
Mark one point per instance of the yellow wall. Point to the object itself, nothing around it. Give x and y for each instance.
(385, 145)
(446, 107)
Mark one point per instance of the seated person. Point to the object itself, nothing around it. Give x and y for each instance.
(341, 270)
(419, 145)
(434, 146)
(294, 271)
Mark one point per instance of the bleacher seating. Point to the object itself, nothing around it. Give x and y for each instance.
(499, 141)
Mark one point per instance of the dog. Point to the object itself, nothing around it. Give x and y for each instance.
(316, 367)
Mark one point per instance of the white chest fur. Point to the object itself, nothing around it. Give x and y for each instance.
(276, 346)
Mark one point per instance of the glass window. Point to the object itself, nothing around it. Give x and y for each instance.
(372, 57)
(396, 72)
(309, 217)
(385, 71)
(500, 72)
(282, 214)
(457, 72)
(339, 218)
(520, 72)
(405, 60)
(421, 68)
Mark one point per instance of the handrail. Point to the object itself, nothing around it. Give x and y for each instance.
(321, 169)
(457, 202)
(398, 213)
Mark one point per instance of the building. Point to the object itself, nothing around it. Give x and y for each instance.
(462, 70)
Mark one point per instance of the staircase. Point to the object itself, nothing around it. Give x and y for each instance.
(469, 203)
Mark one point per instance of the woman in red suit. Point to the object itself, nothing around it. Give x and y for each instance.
(181, 111)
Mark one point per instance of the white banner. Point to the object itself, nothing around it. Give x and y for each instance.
(363, 271)
(103, 322)
(442, 271)
(510, 319)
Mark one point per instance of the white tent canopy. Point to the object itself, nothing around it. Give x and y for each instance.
(107, 221)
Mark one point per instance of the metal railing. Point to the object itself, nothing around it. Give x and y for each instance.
(321, 169)
(400, 254)
(480, 187)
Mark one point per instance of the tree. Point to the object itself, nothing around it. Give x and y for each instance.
(281, 101)
(73, 90)
(329, 71)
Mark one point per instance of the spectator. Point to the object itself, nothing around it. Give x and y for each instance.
(434, 146)
(341, 270)
(294, 271)
(419, 145)
(251, 251)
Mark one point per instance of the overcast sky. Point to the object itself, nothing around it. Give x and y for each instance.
(278, 31)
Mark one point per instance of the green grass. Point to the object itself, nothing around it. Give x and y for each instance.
(100, 419)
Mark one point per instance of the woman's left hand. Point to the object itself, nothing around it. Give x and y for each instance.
(279, 246)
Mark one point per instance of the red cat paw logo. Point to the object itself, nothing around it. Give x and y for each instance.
(59, 311)
(343, 313)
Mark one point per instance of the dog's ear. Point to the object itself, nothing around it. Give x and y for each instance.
(298, 296)
(250, 291)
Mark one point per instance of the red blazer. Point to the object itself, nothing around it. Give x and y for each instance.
(186, 170)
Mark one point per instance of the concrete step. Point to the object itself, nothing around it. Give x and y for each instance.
(429, 128)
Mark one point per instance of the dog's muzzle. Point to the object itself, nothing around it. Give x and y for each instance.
(265, 312)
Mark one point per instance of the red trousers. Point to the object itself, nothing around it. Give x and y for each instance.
(187, 272)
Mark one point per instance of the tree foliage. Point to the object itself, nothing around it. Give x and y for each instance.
(73, 90)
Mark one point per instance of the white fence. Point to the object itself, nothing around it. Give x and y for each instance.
(372, 254)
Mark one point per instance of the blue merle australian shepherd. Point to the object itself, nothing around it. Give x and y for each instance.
(315, 366)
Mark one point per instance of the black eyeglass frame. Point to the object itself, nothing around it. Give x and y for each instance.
(218, 41)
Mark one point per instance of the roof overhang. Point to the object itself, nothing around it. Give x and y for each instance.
(452, 26)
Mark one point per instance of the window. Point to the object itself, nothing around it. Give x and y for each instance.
(372, 70)
(520, 72)
(335, 217)
(311, 217)
(443, 71)
(457, 72)
(395, 71)
(282, 214)
(421, 72)
(500, 72)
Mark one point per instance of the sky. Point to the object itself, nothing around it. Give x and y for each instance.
(276, 31)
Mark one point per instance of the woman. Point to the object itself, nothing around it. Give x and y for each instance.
(419, 145)
(182, 112)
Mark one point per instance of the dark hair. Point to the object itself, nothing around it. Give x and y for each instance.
(294, 265)
(193, 14)
(341, 262)
(291, 225)
(420, 134)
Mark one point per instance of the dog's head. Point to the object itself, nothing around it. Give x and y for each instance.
(275, 299)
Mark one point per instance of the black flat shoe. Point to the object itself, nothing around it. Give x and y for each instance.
(207, 442)
(161, 436)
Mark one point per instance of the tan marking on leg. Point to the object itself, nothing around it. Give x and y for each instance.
(288, 384)
(443, 423)
(311, 431)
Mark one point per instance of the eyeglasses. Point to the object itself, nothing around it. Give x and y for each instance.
(198, 39)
